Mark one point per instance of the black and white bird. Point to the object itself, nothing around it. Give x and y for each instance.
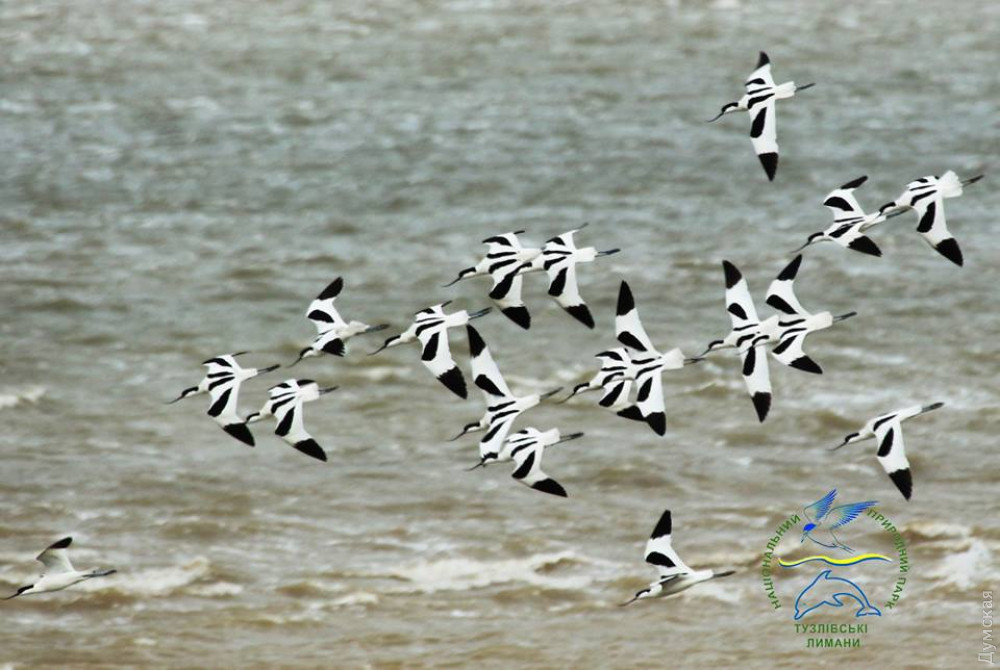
(504, 258)
(430, 328)
(222, 382)
(526, 448)
(332, 330)
(926, 197)
(559, 259)
(615, 378)
(759, 102)
(675, 576)
(646, 362)
(849, 221)
(284, 403)
(502, 406)
(796, 323)
(888, 433)
(749, 337)
(59, 572)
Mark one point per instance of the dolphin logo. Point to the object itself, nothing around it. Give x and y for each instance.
(829, 590)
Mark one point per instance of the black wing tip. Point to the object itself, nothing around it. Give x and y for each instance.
(333, 289)
(791, 270)
(865, 245)
(663, 527)
(476, 342)
(61, 544)
(582, 314)
(518, 315)
(806, 364)
(335, 347)
(631, 412)
(311, 448)
(240, 432)
(949, 249)
(550, 486)
(763, 60)
(455, 382)
(733, 276)
(903, 481)
(626, 303)
(770, 163)
(762, 403)
(855, 183)
(658, 422)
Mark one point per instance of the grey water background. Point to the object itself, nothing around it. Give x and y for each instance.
(180, 178)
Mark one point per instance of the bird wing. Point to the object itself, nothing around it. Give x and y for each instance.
(821, 507)
(764, 133)
(892, 455)
(528, 470)
(757, 378)
(649, 399)
(321, 310)
(504, 242)
(55, 558)
(789, 351)
(934, 229)
(500, 424)
(739, 302)
(616, 392)
(225, 394)
(563, 288)
(660, 553)
(291, 427)
(781, 292)
(761, 77)
(842, 203)
(485, 373)
(841, 515)
(628, 327)
(436, 356)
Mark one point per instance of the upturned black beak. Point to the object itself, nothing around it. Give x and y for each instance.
(270, 368)
(480, 464)
(549, 394)
(328, 390)
(691, 361)
(482, 312)
(571, 436)
(844, 316)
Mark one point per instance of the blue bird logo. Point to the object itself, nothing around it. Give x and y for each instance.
(824, 519)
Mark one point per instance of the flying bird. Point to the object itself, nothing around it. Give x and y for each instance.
(526, 448)
(59, 572)
(888, 433)
(926, 197)
(796, 323)
(502, 406)
(675, 576)
(222, 382)
(824, 518)
(616, 379)
(284, 403)
(332, 330)
(430, 328)
(748, 336)
(849, 221)
(646, 361)
(504, 258)
(559, 259)
(759, 102)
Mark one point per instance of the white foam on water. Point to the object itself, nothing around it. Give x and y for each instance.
(357, 598)
(14, 397)
(154, 582)
(463, 574)
(967, 568)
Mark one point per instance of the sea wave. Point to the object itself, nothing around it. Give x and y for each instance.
(14, 397)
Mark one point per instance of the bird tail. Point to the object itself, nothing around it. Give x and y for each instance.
(785, 90)
(950, 185)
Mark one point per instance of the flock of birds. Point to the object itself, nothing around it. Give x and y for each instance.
(630, 376)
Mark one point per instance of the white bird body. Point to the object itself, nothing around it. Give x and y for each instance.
(849, 221)
(503, 407)
(758, 101)
(332, 330)
(558, 259)
(674, 575)
(646, 363)
(616, 379)
(430, 328)
(285, 403)
(526, 448)
(926, 197)
(887, 431)
(59, 573)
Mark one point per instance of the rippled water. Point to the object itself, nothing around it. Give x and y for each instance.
(180, 178)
